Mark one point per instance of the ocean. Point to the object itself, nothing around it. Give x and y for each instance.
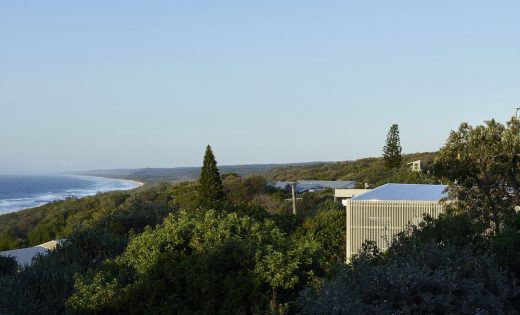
(19, 192)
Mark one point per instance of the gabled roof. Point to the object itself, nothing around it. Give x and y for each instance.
(405, 192)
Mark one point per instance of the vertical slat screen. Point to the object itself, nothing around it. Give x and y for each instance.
(380, 221)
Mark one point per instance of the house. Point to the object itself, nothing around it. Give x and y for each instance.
(24, 256)
(415, 166)
(378, 215)
(302, 186)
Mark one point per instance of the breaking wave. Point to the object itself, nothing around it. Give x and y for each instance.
(13, 196)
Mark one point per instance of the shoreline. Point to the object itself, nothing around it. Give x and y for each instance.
(138, 183)
(21, 203)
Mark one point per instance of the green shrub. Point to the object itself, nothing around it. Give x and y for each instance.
(430, 279)
(8, 265)
(198, 262)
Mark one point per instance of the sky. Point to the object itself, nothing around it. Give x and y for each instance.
(130, 84)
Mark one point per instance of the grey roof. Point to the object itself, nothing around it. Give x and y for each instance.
(305, 185)
(413, 192)
(24, 256)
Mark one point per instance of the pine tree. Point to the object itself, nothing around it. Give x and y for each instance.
(211, 190)
(392, 149)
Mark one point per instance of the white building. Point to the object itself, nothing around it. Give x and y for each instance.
(415, 166)
(24, 256)
(341, 195)
(378, 215)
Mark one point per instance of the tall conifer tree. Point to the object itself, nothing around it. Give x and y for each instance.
(211, 190)
(392, 149)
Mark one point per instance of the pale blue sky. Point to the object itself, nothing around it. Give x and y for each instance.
(107, 84)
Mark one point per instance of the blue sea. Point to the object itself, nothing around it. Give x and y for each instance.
(21, 192)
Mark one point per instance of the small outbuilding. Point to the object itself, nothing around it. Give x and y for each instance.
(379, 214)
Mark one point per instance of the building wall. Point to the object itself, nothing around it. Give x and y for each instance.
(380, 221)
(348, 193)
(341, 195)
(416, 166)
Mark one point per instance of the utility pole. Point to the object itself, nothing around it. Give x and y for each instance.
(293, 184)
(517, 110)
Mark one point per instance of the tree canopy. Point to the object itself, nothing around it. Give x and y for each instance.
(211, 190)
(483, 165)
(198, 262)
(392, 149)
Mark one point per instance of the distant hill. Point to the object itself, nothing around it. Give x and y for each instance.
(367, 170)
(180, 174)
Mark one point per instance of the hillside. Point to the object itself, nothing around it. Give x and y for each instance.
(367, 170)
(114, 210)
(181, 174)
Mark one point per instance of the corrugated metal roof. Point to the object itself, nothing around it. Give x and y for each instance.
(305, 185)
(414, 192)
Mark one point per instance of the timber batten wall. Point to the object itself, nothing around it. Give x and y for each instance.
(381, 220)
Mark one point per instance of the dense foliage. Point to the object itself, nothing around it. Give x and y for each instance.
(483, 164)
(327, 228)
(42, 288)
(426, 279)
(8, 265)
(199, 262)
